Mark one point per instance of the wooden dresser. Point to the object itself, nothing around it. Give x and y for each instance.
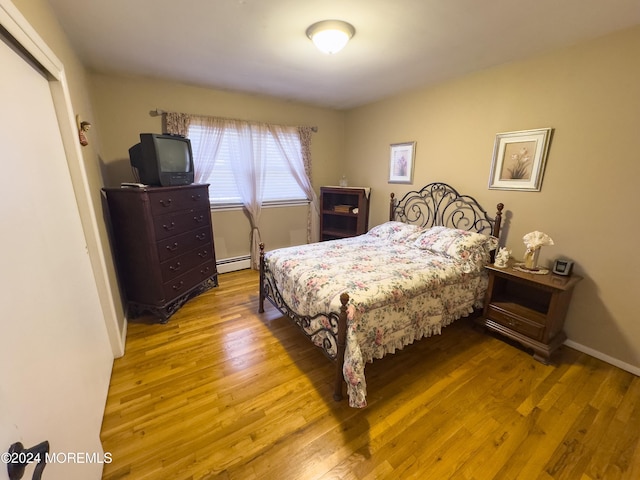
(163, 242)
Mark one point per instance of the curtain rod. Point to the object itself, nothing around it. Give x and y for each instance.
(159, 112)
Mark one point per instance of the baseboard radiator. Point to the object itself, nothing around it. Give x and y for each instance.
(233, 264)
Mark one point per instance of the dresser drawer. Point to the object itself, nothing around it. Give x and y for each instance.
(163, 201)
(178, 222)
(175, 246)
(179, 285)
(178, 265)
(515, 322)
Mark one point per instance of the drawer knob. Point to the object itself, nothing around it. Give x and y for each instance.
(203, 253)
(195, 197)
(198, 218)
(172, 248)
(201, 236)
(176, 267)
(178, 285)
(169, 227)
(165, 203)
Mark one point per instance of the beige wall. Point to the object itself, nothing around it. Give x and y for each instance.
(590, 95)
(123, 105)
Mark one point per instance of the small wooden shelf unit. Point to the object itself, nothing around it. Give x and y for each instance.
(528, 308)
(344, 212)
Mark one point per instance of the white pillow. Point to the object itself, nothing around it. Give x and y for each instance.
(395, 231)
(457, 244)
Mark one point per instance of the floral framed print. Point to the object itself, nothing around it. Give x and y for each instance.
(519, 159)
(401, 162)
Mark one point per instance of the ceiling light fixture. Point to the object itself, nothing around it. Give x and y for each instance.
(330, 36)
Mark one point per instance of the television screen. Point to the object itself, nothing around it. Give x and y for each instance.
(174, 155)
(163, 160)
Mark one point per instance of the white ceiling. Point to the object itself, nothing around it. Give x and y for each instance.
(259, 46)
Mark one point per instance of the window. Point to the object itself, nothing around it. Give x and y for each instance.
(280, 186)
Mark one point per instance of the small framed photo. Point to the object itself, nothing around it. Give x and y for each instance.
(401, 162)
(519, 159)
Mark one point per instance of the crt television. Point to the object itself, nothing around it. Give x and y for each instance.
(163, 159)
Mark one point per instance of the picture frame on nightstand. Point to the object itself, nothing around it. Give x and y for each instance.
(562, 267)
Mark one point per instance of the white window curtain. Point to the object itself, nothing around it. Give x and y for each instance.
(294, 156)
(247, 142)
(206, 150)
(248, 152)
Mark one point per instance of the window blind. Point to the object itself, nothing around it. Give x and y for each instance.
(280, 186)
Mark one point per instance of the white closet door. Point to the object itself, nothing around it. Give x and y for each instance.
(55, 355)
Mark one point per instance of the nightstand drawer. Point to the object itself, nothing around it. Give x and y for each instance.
(515, 322)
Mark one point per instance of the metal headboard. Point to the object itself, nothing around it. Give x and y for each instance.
(440, 204)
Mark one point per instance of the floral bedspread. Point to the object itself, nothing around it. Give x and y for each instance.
(398, 292)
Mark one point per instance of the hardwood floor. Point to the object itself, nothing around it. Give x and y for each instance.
(224, 392)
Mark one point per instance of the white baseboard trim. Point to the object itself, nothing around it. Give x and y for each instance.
(605, 358)
(232, 264)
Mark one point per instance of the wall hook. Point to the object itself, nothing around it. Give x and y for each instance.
(83, 128)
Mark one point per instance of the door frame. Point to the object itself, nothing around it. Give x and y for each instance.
(25, 36)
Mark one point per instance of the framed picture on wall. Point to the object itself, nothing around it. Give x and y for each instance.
(519, 159)
(401, 162)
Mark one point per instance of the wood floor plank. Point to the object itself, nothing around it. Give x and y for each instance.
(221, 391)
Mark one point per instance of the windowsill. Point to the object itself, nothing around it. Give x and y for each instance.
(218, 207)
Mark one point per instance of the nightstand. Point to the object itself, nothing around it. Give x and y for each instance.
(528, 308)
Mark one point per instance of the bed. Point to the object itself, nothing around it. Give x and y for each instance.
(361, 298)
